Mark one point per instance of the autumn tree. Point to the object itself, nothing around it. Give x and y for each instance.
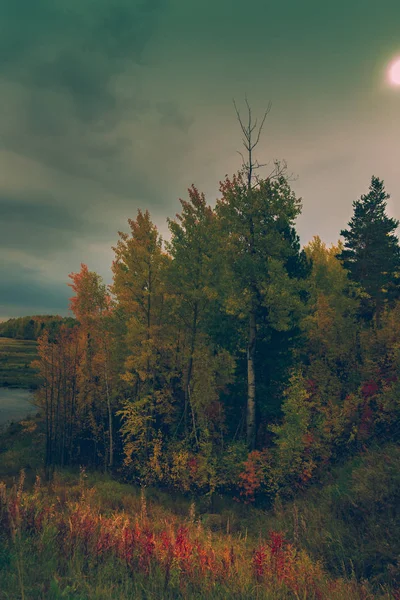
(139, 289)
(332, 332)
(58, 396)
(92, 306)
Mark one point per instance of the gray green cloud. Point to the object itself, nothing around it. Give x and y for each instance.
(110, 106)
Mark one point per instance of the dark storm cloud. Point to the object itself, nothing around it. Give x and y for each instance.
(25, 291)
(49, 35)
(36, 210)
(60, 64)
(37, 225)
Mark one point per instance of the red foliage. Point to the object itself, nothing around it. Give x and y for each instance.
(193, 466)
(174, 550)
(273, 559)
(251, 479)
(276, 543)
(370, 388)
(311, 386)
(366, 422)
(259, 560)
(308, 439)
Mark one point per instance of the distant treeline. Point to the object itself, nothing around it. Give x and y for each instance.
(30, 328)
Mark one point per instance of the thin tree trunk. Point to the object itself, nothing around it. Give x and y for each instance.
(251, 383)
(57, 417)
(110, 424)
(46, 387)
(190, 367)
(151, 406)
(251, 349)
(50, 446)
(378, 312)
(250, 141)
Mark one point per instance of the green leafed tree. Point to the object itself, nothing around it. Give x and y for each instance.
(256, 219)
(191, 278)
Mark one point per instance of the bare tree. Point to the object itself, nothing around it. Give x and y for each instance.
(250, 141)
(251, 136)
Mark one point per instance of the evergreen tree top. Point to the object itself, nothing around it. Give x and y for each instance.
(371, 250)
(370, 214)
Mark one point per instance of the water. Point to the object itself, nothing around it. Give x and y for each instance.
(15, 404)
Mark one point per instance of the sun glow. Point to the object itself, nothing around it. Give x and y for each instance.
(394, 72)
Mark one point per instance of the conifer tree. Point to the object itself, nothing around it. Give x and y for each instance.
(371, 252)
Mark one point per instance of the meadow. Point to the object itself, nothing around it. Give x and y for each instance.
(15, 360)
(90, 538)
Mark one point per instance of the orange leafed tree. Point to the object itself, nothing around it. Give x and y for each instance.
(92, 306)
(58, 365)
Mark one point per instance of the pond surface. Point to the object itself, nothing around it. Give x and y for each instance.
(15, 404)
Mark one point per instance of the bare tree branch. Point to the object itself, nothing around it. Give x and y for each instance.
(250, 141)
(243, 161)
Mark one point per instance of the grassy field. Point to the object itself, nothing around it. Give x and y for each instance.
(91, 538)
(15, 359)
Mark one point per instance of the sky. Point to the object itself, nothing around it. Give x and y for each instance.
(108, 106)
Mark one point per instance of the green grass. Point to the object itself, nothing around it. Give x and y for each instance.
(21, 447)
(15, 359)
